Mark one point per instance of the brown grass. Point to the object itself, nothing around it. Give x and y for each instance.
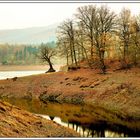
(16, 122)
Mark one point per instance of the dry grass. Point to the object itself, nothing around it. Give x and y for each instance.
(16, 122)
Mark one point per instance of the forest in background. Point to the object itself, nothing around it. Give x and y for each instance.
(21, 54)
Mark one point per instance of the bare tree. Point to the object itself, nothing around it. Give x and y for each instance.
(98, 22)
(135, 42)
(104, 23)
(46, 54)
(66, 29)
(124, 31)
(81, 42)
(86, 15)
(63, 48)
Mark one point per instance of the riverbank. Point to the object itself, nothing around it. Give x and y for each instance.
(114, 96)
(16, 122)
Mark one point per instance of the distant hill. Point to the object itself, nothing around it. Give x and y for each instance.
(33, 35)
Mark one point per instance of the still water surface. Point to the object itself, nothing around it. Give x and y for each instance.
(11, 74)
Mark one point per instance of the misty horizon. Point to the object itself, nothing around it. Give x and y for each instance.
(28, 15)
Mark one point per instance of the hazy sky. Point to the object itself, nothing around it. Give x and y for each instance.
(33, 14)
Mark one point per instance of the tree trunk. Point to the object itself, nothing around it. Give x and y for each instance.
(71, 53)
(74, 55)
(101, 57)
(51, 69)
(135, 57)
(78, 53)
(67, 59)
(91, 50)
(73, 45)
(82, 51)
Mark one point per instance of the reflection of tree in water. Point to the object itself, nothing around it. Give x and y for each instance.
(89, 130)
(74, 124)
(51, 117)
(94, 130)
(98, 129)
(101, 129)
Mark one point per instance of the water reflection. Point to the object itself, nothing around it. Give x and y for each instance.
(11, 74)
(87, 130)
(51, 118)
(86, 120)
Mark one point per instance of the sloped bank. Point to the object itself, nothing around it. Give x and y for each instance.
(16, 122)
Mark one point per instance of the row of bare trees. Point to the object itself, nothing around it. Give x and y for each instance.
(96, 33)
